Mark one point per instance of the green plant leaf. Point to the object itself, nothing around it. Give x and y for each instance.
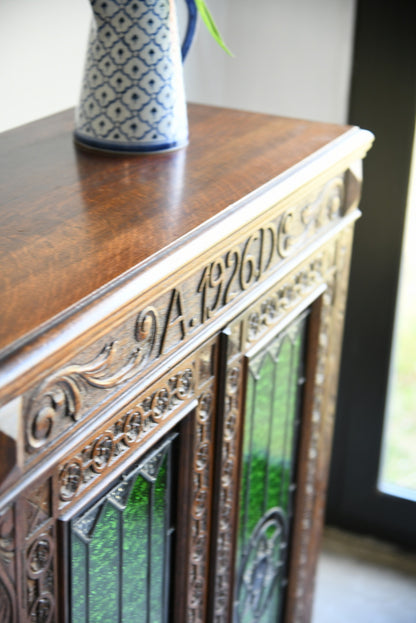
(210, 24)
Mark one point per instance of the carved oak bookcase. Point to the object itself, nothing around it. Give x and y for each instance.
(169, 345)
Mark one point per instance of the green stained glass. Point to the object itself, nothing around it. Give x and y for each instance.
(135, 553)
(246, 467)
(104, 566)
(79, 580)
(120, 548)
(158, 544)
(260, 454)
(268, 458)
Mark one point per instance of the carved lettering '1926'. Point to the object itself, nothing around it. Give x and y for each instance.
(224, 278)
(243, 265)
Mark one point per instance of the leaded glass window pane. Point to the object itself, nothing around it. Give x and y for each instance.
(120, 548)
(271, 421)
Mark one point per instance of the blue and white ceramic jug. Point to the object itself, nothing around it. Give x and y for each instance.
(132, 97)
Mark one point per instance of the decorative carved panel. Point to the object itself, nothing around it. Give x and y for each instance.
(125, 433)
(171, 319)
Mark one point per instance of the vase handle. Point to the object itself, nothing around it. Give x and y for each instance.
(190, 29)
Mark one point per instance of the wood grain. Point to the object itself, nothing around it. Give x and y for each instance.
(72, 221)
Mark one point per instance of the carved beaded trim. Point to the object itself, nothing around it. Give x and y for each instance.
(228, 482)
(122, 436)
(202, 481)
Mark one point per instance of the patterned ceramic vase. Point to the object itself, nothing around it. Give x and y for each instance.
(132, 97)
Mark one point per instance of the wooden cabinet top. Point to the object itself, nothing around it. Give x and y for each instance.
(74, 224)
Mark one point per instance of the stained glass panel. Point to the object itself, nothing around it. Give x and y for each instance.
(135, 552)
(104, 566)
(272, 411)
(120, 548)
(79, 587)
(158, 536)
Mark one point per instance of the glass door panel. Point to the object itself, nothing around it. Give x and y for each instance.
(271, 422)
(120, 548)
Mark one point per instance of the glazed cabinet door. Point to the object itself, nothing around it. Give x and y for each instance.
(116, 528)
(280, 369)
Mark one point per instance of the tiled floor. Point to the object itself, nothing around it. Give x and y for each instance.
(361, 580)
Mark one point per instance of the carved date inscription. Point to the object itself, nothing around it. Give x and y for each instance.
(233, 272)
(69, 394)
(243, 265)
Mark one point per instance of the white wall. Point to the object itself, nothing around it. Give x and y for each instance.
(42, 49)
(292, 57)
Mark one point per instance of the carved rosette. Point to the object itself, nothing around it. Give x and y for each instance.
(37, 563)
(40, 578)
(121, 438)
(290, 293)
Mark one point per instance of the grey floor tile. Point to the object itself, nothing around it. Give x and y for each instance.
(362, 581)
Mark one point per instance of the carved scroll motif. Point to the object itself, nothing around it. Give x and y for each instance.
(61, 396)
(131, 427)
(36, 578)
(297, 225)
(37, 575)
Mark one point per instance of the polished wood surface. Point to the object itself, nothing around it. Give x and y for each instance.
(133, 291)
(72, 221)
